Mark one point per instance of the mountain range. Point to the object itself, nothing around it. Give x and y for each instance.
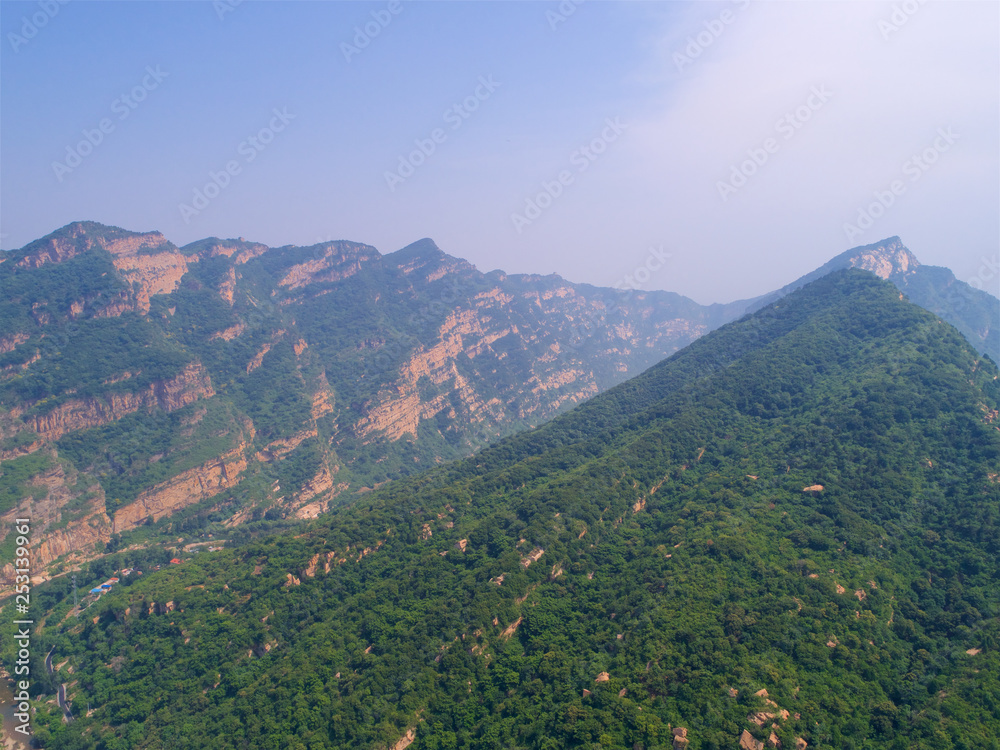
(150, 391)
(787, 534)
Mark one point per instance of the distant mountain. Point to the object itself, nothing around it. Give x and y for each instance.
(149, 391)
(785, 535)
(972, 311)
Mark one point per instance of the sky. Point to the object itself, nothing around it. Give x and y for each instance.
(715, 149)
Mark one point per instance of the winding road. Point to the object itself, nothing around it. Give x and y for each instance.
(61, 695)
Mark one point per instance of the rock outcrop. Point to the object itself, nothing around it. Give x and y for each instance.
(185, 489)
(148, 261)
(400, 409)
(191, 384)
(9, 343)
(336, 262)
(77, 535)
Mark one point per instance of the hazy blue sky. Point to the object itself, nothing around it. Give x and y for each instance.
(739, 137)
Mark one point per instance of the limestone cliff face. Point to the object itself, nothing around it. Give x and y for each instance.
(61, 525)
(9, 343)
(228, 285)
(564, 346)
(337, 261)
(279, 448)
(239, 250)
(385, 348)
(315, 496)
(155, 271)
(21, 450)
(401, 408)
(230, 333)
(191, 384)
(185, 489)
(322, 402)
(147, 260)
(886, 259)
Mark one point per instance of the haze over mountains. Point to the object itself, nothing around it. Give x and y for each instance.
(147, 389)
(785, 535)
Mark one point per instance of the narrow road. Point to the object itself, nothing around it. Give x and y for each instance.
(61, 695)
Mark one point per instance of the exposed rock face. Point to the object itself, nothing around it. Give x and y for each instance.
(534, 556)
(228, 285)
(147, 259)
(258, 358)
(78, 534)
(24, 450)
(9, 343)
(319, 484)
(239, 250)
(760, 718)
(321, 404)
(336, 262)
(157, 273)
(191, 384)
(406, 740)
(228, 334)
(747, 742)
(278, 448)
(185, 489)
(401, 409)
(415, 342)
(886, 259)
(316, 507)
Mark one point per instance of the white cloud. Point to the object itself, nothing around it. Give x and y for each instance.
(889, 98)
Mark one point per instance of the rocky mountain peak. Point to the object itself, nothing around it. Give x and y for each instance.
(81, 236)
(886, 259)
(425, 256)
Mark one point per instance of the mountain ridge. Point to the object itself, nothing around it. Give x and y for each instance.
(330, 369)
(786, 532)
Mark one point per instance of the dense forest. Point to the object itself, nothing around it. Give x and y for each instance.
(788, 532)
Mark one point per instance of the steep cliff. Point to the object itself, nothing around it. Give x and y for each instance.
(174, 393)
(280, 380)
(185, 489)
(68, 522)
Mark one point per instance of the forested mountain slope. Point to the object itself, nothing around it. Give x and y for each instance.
(148, 390)
(150, 393)
(972, 311)
(788, 532)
